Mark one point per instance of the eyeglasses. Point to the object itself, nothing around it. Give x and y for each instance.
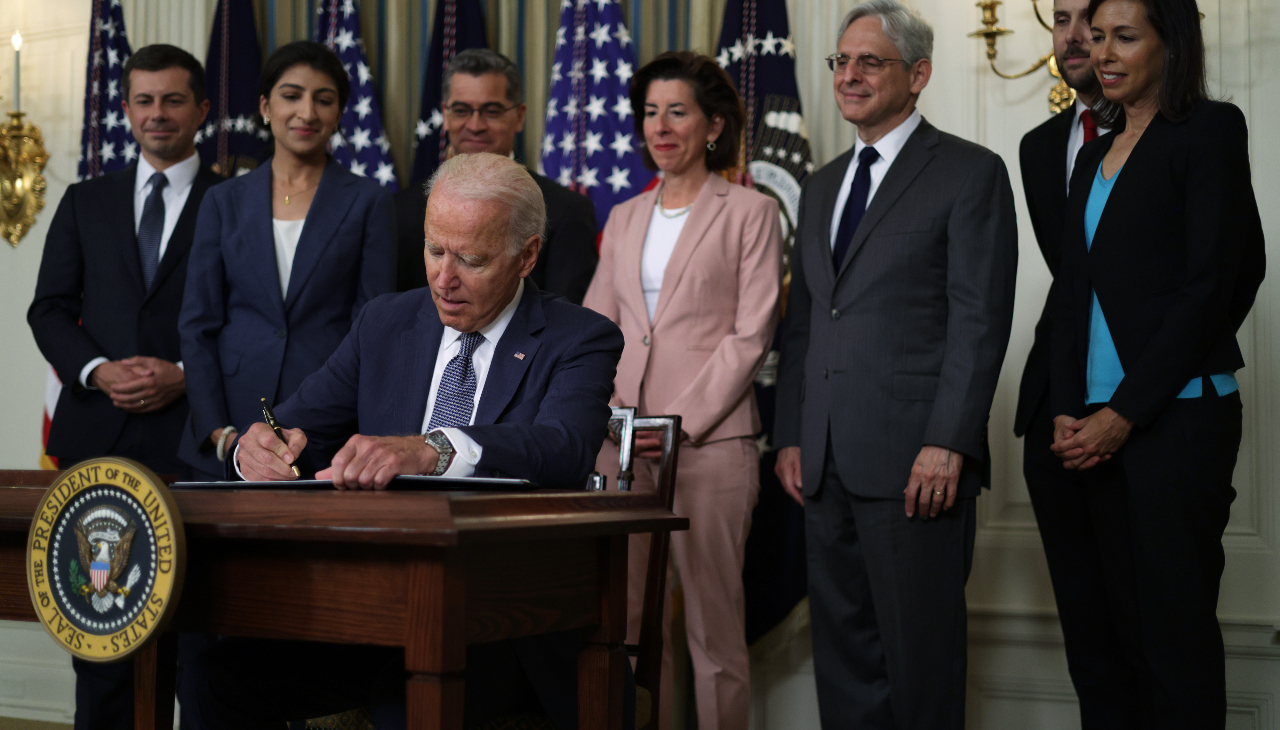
(491, 112)
(867, 63)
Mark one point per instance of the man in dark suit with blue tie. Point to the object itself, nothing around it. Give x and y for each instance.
(898, 316)
(105, 313)
(493, 378)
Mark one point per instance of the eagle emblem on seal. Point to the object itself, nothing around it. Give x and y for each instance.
(104, 536)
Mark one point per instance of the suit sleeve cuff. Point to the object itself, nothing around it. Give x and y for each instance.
(466, 453)
(235, 462)
(87, 370)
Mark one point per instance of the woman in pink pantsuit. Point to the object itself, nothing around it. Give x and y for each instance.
(691, 273)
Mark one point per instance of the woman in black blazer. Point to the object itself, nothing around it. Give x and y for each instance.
(283, 259)
(1163, 254)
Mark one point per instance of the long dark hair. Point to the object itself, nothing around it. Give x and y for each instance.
(308, 53)
(1183, 81)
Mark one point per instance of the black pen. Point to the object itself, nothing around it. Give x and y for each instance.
(275, 426)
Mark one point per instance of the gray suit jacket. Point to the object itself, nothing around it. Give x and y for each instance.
(902, 347)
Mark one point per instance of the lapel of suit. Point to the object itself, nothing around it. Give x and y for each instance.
(418, 349)
(117, 214)
(184, 229)
(827, 189)
(915, 155)
(328, 208)
(507, 370)
(1058, 153)
(706, 209)
(631, 251)
(254, 203)
(1081, 185)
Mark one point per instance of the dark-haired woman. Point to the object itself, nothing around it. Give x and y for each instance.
(283, 259)
(691, 273)
(1163, 256)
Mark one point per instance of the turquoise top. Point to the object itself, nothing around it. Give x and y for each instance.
(1104, 371)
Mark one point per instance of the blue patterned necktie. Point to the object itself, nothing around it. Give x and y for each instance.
(457, 394)
(152, 228)
(859, 191)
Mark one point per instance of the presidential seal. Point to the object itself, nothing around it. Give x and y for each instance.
(105, 558)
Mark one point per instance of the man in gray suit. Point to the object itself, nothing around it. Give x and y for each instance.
(898, 317)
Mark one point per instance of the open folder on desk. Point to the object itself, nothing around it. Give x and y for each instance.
(400, 483)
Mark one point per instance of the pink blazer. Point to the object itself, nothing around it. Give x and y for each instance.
(716, 313)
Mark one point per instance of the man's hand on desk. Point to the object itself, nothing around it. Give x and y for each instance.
(370, 462)
(263, 457)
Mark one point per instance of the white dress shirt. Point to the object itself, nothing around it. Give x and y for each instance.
(888, 146)
(285, 235)
(466, 452)
(181, 176)
(659, 244)
(1076, 139)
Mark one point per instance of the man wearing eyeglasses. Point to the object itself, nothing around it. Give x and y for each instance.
(898, 316)
(484, 110)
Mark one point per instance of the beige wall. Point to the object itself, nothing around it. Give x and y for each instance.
(1017, 671)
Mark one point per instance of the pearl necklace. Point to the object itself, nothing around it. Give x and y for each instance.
(679, 211)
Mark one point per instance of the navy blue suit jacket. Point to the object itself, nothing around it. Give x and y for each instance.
(242, 341)
(541, 417)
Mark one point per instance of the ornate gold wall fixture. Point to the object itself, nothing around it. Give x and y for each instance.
(1061, 96)
(22, 186)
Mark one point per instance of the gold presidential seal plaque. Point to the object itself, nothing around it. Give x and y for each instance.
(105, 558)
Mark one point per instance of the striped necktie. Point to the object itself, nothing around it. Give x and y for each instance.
(151, 229)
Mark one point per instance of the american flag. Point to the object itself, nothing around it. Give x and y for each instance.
(590, 143)
(359, 144)
(459, 26)
(99, 573)
(106, 143)
(231, 139)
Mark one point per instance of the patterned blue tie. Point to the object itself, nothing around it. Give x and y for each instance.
(859, 191)
(151, 228)
(457, 394)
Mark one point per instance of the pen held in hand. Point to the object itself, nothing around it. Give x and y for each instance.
(270, 418)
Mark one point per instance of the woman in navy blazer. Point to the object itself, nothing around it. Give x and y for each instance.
(1163, 255)
(283, 259)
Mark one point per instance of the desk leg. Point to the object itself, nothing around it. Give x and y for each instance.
(155, 670)
(434, 702)
(601, 676)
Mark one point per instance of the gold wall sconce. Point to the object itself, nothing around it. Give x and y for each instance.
(1061, 96)
(22, 161)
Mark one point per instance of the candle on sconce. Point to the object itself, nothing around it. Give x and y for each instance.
(17, 70)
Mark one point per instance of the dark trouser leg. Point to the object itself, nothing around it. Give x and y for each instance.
(848, 659)
(104, 695)
(917, 570)
(1065, 505)
(138, 441)
(1179, 477)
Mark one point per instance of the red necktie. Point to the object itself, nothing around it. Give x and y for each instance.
(1090, 129)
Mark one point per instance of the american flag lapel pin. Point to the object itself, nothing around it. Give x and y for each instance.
(519, 355)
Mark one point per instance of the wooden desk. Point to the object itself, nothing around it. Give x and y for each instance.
(428, 571)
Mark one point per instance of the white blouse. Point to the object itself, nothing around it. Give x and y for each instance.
(286, 237)
(659, 243)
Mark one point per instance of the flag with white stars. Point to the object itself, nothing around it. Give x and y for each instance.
(757, 51)
(590, 143)
(106, 141)
(231, 139)
(459, 25)
(359, 144)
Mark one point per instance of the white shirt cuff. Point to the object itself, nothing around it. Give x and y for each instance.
(235, 461)
(181, 366)
(466, 453)
(87, 370)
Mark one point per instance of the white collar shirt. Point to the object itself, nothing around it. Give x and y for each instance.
(1076, 139)
(181, 177)
(466, 451)
(888, 146)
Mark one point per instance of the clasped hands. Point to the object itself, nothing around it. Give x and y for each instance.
(364, 462)
(1089, 441)
(932, 487)
(139, 384)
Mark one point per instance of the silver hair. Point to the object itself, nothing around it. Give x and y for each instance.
(484, 176)
(911, 35)
(481, 61)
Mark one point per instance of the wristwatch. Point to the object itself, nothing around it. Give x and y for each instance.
(438, 441)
